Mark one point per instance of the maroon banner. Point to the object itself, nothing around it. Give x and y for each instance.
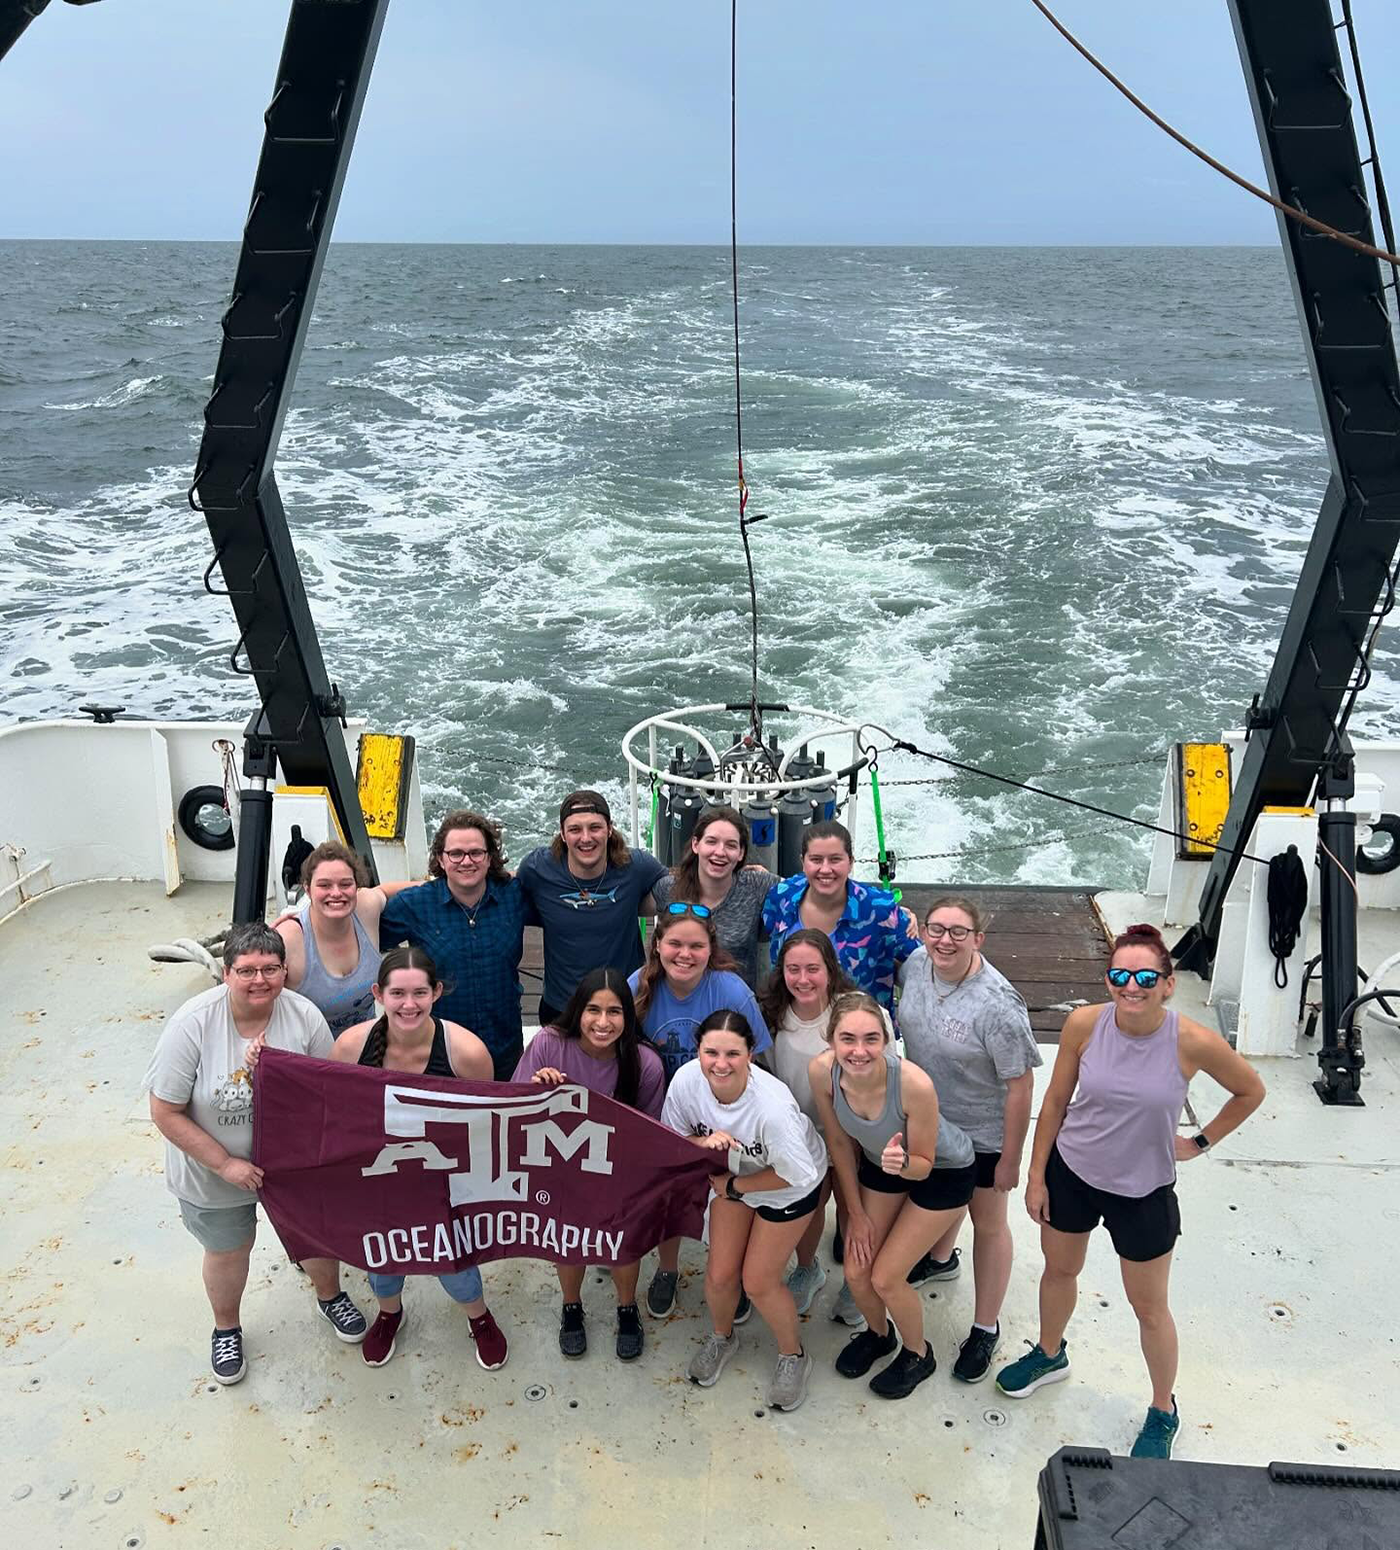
(422, 1175)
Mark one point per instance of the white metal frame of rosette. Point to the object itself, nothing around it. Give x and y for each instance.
(815, 725)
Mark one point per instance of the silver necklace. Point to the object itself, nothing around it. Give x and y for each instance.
(966, 975)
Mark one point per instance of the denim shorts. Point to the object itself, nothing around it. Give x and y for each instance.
(460, 1285)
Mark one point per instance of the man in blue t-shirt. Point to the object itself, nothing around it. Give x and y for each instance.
(587, 890)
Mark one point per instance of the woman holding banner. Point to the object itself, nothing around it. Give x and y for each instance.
(597, 1043)
(763, 1197)
(409, 1037)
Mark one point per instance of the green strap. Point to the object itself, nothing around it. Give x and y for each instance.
(880, 828)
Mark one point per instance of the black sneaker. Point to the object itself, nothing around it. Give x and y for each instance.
(904, 1374)
(573, 1338)
(344, 1318)
(931, 1269)
(661, 1293)
(744, 1309)
(862, 1351)
(975, 1355)
(630, 1338)
(226, 1355)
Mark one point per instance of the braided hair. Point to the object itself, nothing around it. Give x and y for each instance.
(377, 1039)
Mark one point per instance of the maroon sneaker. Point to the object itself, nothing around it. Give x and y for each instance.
(378, 1345)
(491, 1347)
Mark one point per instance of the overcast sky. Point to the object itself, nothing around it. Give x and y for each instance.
(892, 121)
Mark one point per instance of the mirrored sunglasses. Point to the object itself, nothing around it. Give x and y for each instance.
(1147, 978)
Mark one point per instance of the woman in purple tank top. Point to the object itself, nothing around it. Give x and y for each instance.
(1106, 1149)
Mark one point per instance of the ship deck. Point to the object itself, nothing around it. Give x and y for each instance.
(1282, 1289)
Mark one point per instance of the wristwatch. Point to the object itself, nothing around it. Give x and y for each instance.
(1200, 1139)
(730, 1193)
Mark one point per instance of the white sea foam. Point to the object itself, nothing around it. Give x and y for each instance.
(129, 392)
(519, 542)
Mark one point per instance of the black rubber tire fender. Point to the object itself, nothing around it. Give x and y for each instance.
(1373, 866)
(188, 817)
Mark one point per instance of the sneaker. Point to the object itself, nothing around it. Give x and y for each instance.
(226, 1355)
(661, 1293)
(975, 1355)
(789, 1386)
(804, 1282)
(862, 1351)
(1158, 1433)
(344, 1318)
(904, 1374)
(491, 1347)
(838, 1247)
(743, 1311)
(709, 1361)
(630, 1338)
(383, 1336)
(844, 1309)
(931, 1269)
(573, 1337)
(1033, 1371)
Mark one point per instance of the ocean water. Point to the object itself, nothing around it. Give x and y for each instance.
(1035, 509)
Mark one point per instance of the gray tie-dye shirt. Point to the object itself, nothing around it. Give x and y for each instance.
(972, 1041)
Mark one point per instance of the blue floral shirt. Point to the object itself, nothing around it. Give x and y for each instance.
(871, 939)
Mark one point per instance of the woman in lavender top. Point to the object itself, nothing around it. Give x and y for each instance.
(597, 1043)
(714, 874)
(1106, 1148)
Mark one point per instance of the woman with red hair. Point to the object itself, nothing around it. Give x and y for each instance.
(1106, 1149)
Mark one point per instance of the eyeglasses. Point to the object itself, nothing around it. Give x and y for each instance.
(457, 857)
(937, 932)
(1147, 978)
(270, 973)
(700, 911)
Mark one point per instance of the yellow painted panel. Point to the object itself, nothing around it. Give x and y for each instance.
(382, 778)
(1292, 812)
(1203, 796)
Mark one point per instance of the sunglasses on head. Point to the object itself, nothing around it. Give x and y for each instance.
(1147, 978)
(700, 911)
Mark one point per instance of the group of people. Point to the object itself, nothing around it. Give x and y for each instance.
(797, 1085)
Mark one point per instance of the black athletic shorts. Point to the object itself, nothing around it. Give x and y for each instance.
(798, 1208)
(1142, 1228)
(943, 1190)
(986, 1165)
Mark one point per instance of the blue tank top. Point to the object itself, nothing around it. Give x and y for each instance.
(343, 999)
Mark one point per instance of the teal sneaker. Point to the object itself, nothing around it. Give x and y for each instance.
(1033, 1371)
(1158, 1433)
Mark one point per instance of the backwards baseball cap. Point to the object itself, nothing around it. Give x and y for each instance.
(584, 802)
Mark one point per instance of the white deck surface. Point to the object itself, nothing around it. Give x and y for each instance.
(1283, 1289)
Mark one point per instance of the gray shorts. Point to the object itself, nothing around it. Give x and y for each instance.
(220, 1228)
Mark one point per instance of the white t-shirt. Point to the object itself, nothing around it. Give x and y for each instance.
(795, 1043)
(198, 1063)
(771, 1130)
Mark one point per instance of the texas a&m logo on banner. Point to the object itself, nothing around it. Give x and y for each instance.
(422, 1175)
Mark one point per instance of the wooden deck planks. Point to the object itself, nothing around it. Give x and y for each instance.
(1049, 942)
